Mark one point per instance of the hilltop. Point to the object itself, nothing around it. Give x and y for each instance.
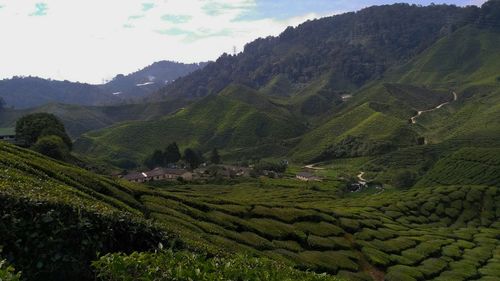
(29, 92)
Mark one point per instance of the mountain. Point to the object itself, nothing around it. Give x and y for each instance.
(149, 79)
(328, 112)
(349, 49)
(26, 92)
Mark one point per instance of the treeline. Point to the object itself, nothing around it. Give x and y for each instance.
(172, 155)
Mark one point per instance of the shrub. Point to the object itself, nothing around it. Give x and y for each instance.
(404, 179)
(52, 146)
(376, 257)
(8, 273)
(35, 237)
(167, 265)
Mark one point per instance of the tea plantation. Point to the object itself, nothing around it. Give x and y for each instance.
(449, 231)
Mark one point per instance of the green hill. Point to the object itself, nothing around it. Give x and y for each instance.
(44, 203)
(425, 233)
(81, 119)
(382, 111)
(239, 121)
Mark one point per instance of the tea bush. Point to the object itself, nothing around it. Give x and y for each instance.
(187, 266)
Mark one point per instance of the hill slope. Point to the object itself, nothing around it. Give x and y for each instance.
(313, 99)
(440, 233)
(353, 49)
(81, 119)
(239, 120)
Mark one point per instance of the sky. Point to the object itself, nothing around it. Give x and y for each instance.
(93, 40)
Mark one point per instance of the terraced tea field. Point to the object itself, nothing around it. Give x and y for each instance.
(424, 233)
(440, 233)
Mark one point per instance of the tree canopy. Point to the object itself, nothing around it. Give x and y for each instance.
(52, 146)
(172, 154)
(193, 158)
(30, 128)
(215, 157)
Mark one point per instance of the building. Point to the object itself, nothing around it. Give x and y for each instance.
(8, 135)
(169, 174)
(306, 176)
(136, 177)
(159, 174)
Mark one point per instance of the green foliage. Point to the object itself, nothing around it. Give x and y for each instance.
(215, 157)
(192, 157)
(172, 153)
(43, 202)
(52, 146)
(30, 127)
(167, 265)
(155, 160)
(384, 36)
(404, 179)
(311, 229)
(8, 273)
(466, 166)
(270, 166)
(240, 122)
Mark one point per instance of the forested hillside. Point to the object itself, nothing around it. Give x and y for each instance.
(351, 49)
(326, 120)
(27, 92)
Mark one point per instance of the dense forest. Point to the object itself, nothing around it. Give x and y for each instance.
(351, 49)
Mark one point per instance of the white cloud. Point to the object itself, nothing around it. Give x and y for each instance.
(94, 39)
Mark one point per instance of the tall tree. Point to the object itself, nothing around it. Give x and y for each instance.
(215, 157)
(31, 127)
(155, 160)
(192, 157)
(2, 103)
(172, 154)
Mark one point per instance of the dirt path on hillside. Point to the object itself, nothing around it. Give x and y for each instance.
(362, 181)
(360, 176)
(312, 167)
(414, 118)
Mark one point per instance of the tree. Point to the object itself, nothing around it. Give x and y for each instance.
(192, 157)
(215, 157)
(155, 160)
(31, 127)
(2, 103)
(172, 154)
(52, 146)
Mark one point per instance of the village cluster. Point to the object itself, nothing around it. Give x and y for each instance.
(208, 173)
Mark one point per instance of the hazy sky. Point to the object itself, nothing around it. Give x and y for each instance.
(91, 40)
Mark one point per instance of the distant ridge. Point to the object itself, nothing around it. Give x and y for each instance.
(25, 92)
